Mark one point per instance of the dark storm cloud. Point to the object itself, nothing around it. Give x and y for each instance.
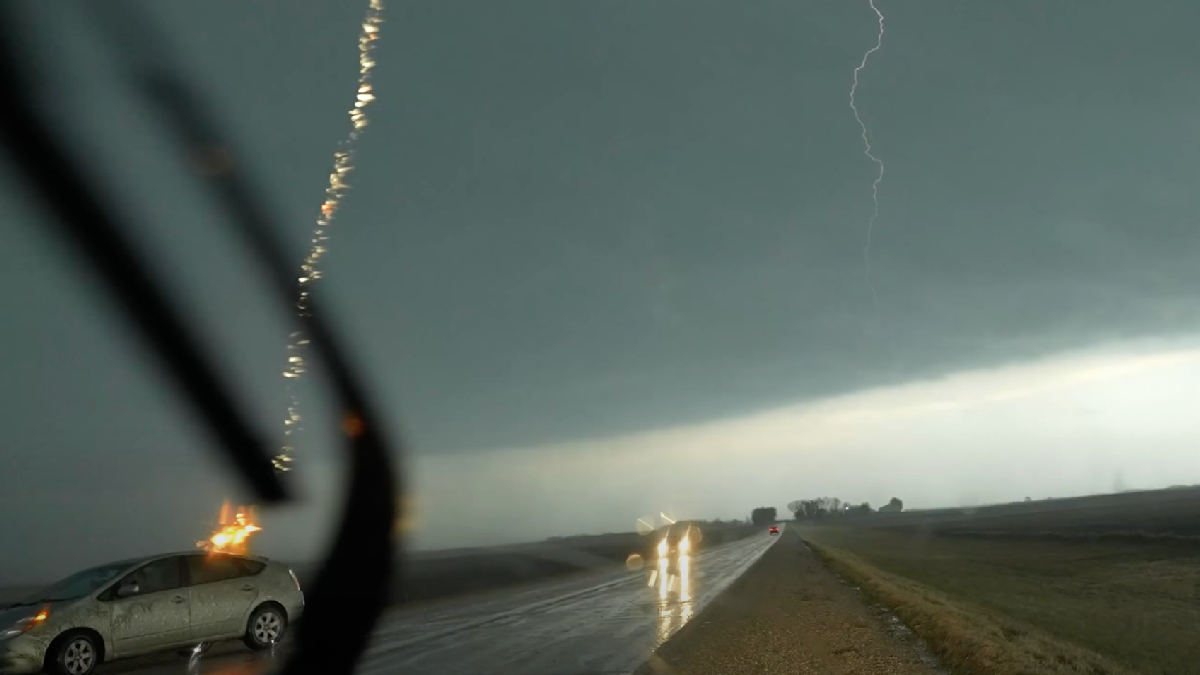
(634, 213)
(581, 219)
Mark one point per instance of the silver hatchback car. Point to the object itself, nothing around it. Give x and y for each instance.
(158, 603)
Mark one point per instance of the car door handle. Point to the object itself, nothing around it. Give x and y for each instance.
(177, 599)
(247, 587)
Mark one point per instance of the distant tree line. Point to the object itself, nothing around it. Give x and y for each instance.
(833, 507)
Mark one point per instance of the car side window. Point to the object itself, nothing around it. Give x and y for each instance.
(209, 569)
(156, 576)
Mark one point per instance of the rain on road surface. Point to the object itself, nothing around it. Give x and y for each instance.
(602, 623)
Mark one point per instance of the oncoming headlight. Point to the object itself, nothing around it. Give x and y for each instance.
(684, 545)
(24, 625)
(662, 548)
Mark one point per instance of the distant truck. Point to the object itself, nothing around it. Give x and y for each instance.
(764, 515)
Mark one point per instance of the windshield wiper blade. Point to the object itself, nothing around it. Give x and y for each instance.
(348, 594)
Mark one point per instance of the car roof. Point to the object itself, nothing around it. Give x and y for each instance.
(130, 562)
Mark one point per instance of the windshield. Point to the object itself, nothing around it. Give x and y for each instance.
(79, 584)
(722, 327)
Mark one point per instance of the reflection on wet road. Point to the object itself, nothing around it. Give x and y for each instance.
(675, 604)
(605, 622)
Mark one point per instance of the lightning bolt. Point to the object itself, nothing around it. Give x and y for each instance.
(867, 152)
(310, 270)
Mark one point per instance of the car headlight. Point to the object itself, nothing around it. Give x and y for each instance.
(684, 545)
(662, 548)
(24, 625)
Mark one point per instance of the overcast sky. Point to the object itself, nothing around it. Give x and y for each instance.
(602, 259)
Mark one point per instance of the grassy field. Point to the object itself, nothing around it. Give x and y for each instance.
(1165, 513)
(994, 604)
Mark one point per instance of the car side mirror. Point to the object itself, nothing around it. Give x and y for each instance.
(128, 588)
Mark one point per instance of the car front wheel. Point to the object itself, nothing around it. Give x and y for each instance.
(74, 654)
(265, 627)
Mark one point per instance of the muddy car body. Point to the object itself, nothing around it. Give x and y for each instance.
(158, 603)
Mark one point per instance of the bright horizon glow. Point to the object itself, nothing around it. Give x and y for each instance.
(1068, 425)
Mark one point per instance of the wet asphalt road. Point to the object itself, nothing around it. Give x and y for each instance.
(605, 622)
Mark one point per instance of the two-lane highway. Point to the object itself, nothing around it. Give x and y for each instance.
(604, 622)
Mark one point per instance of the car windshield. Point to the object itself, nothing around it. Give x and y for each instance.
(80, 584)
(614, 284)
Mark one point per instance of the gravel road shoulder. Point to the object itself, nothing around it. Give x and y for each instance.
(787, 614)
